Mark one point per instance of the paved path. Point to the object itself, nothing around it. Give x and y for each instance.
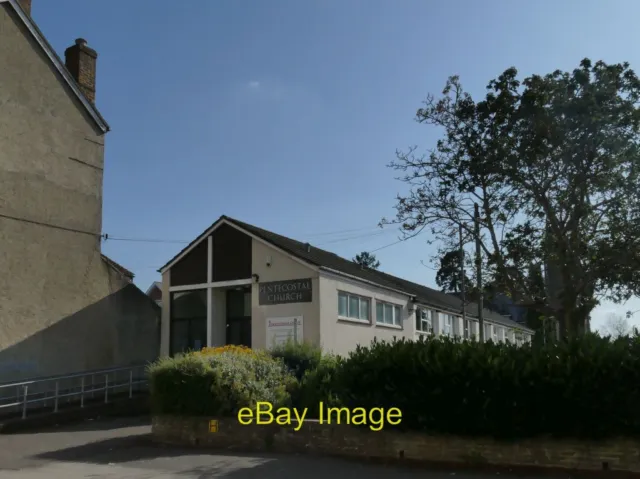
(122, 449)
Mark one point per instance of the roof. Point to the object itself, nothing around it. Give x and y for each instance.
(119, 268)
(155, 284)
(330, 261)
(57, 63)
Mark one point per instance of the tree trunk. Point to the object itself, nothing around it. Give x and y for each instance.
(574, 319)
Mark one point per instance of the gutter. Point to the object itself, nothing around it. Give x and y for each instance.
(360, 280)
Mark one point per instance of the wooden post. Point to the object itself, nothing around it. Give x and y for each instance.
(476, 217)
(462, 285)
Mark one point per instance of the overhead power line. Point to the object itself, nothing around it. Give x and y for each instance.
(386, 246)
(337, 240)
(395, 243)
(143, 240)
(356, 230)
(369, 235)
(49, 225)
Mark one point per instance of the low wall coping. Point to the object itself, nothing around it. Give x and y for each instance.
(620, 454)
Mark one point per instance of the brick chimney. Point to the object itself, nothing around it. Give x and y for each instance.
(26, 6)
(81, 63)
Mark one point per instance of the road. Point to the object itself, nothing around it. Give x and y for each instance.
(122, 449)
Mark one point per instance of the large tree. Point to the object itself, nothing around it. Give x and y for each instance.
(552, 162)
(367, 260)
(449, 275)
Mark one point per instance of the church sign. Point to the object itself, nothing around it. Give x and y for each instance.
(283, 292)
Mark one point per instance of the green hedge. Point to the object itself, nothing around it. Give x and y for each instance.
(298, 357)
(219, 384)
(585, 388)
(319, 385)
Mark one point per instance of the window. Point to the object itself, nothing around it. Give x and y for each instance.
(507, 335)
(238, 315)
(495, 333)
(387, 313)
(188, 324)
(447, 326)
(487, 332)
(353, 307)
(467, 327)
(519, 338)
(475, 330)
(424, 320)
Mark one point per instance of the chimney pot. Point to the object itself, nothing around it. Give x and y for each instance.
(80, 60)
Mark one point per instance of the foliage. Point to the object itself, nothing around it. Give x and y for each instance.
(229, 348)
(319, 385)
(367, 260)
(448, 275)
(585, 387)
(217, 384)
(298, 357)
(553, 163)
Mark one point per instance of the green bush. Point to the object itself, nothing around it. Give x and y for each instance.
(319, 385)
(219, 384)
(588, 387)
(298, 357)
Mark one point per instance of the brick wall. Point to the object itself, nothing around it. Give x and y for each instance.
(343, 440)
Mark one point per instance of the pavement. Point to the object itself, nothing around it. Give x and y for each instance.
(122, 448)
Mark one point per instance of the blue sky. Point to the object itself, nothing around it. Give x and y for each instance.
(285, 113)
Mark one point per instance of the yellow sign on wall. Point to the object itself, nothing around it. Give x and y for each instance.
(213, 425)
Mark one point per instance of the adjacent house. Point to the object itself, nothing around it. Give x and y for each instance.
(64, 306)
(155, 292)
(504, 305)
(240, 284)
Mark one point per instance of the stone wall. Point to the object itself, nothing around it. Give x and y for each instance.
(344, 440)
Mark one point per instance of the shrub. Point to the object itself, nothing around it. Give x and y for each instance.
(229, 348)
(319, 385)
(217, 384)
(588, 387)
(298, 357)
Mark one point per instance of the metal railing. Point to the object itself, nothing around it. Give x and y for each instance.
(52, 393)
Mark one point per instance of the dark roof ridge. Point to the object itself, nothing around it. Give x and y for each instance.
(331, 261)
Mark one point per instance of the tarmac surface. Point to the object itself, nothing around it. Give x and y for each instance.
(122, 448)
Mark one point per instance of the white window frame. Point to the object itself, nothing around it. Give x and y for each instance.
(361, 299)
(473, 335)
(487, 337)
(494, 333)
(448, 325)
(508, 335)
(396, 322)
(466, 328)
(429, 318)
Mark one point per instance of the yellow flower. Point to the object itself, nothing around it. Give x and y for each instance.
(229, 348)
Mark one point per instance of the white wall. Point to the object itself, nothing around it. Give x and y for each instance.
(271, 265)
(341, 335)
